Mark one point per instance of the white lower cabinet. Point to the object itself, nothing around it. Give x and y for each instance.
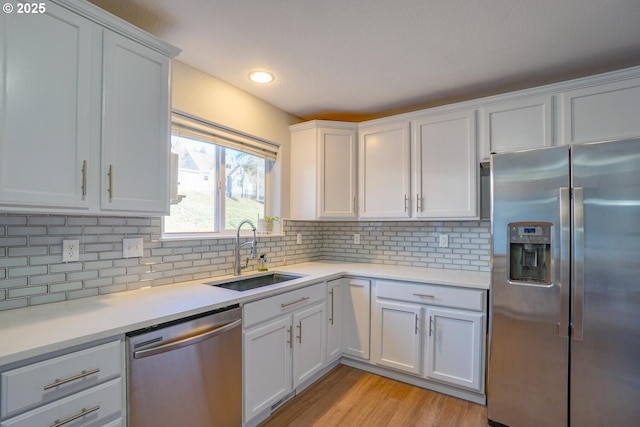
(356, 318)
(335, 306)
(84, 387)
(396, 332)
(453, 347)
(284, 346)
(267, 365)
(435, 332)
(308, 343)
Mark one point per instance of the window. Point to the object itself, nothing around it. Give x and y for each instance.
(218, 180)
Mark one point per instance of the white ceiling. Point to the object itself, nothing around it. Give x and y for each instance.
(357, 59)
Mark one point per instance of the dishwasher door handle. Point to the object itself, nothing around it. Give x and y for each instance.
(186, 341)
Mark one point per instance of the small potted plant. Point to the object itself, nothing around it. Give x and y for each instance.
(266, 224)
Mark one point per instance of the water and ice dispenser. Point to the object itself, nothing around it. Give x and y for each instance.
(530, 253)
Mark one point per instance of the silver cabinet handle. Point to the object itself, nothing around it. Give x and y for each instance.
(84, 178)
(82, 413)
(289, 338)
(81, 375)
(416, 324)
(577, 273)
(565, 267)
(425, 296)
(418, 204)
(186, 341)
(331, 317)
(300, 332)
(110, 173)
(430, 325)
(406, 203)
(287, 304)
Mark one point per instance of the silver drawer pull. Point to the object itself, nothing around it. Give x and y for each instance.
(58, 423)
(82, 374)
(287, 304)
(425, 296)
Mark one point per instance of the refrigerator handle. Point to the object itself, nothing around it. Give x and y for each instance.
(565, 266)
(577, 267)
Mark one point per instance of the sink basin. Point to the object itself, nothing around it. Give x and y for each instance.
(254, 281)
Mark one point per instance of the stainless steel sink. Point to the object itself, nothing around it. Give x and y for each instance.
(245, 284)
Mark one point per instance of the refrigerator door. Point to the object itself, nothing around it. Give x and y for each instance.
(605, 348)
(528, 356)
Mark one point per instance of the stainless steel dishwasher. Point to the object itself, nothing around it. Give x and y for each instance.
(187, 373)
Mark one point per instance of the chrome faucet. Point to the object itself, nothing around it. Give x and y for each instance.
(237, 268)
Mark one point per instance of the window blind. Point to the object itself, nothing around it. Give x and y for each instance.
(185, 125)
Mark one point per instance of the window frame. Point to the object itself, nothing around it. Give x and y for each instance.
(222, 138)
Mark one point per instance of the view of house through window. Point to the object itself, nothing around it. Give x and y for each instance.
(218, 187)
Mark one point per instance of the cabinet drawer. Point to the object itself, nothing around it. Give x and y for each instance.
(100, 404)
(448, 296)
(34, 384)
(268, 308)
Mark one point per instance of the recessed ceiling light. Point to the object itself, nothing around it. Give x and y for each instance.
(261, 77)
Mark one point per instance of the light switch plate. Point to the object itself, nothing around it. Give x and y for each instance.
(356, 239)
(132, 248)
(443, 240)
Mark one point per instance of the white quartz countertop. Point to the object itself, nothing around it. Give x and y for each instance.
(37, 330)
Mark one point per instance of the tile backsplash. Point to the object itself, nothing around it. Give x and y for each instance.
(32, 271)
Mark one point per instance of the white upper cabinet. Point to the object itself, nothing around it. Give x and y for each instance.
(517, 125)
(84, 113)
(425, 164)
(384, 171)
(323, 170)
(445, 171)
(602, 111)
(135, 131)
(45, 109)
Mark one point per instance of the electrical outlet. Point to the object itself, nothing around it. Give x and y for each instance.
(356, 239)
(132, 248)
(443, 240)
(299, 238)
(70, 250)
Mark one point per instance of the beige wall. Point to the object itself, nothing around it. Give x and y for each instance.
(209, 98)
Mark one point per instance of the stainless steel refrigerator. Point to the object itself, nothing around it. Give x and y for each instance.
(565, 292)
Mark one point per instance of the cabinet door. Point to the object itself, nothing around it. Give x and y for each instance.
(337, 173)
(135, 132)
(603, 112)
(267, 365)
(454, 348)
(309, 343)
(304, 172)
(445, 166)
(396, 334)
(357, 318)
(45, 108)
(384, 172)
(517, 125)
(334, 319)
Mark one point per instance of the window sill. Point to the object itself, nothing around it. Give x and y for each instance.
(216, 236)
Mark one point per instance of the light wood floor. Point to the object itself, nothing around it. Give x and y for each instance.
(349, 397)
